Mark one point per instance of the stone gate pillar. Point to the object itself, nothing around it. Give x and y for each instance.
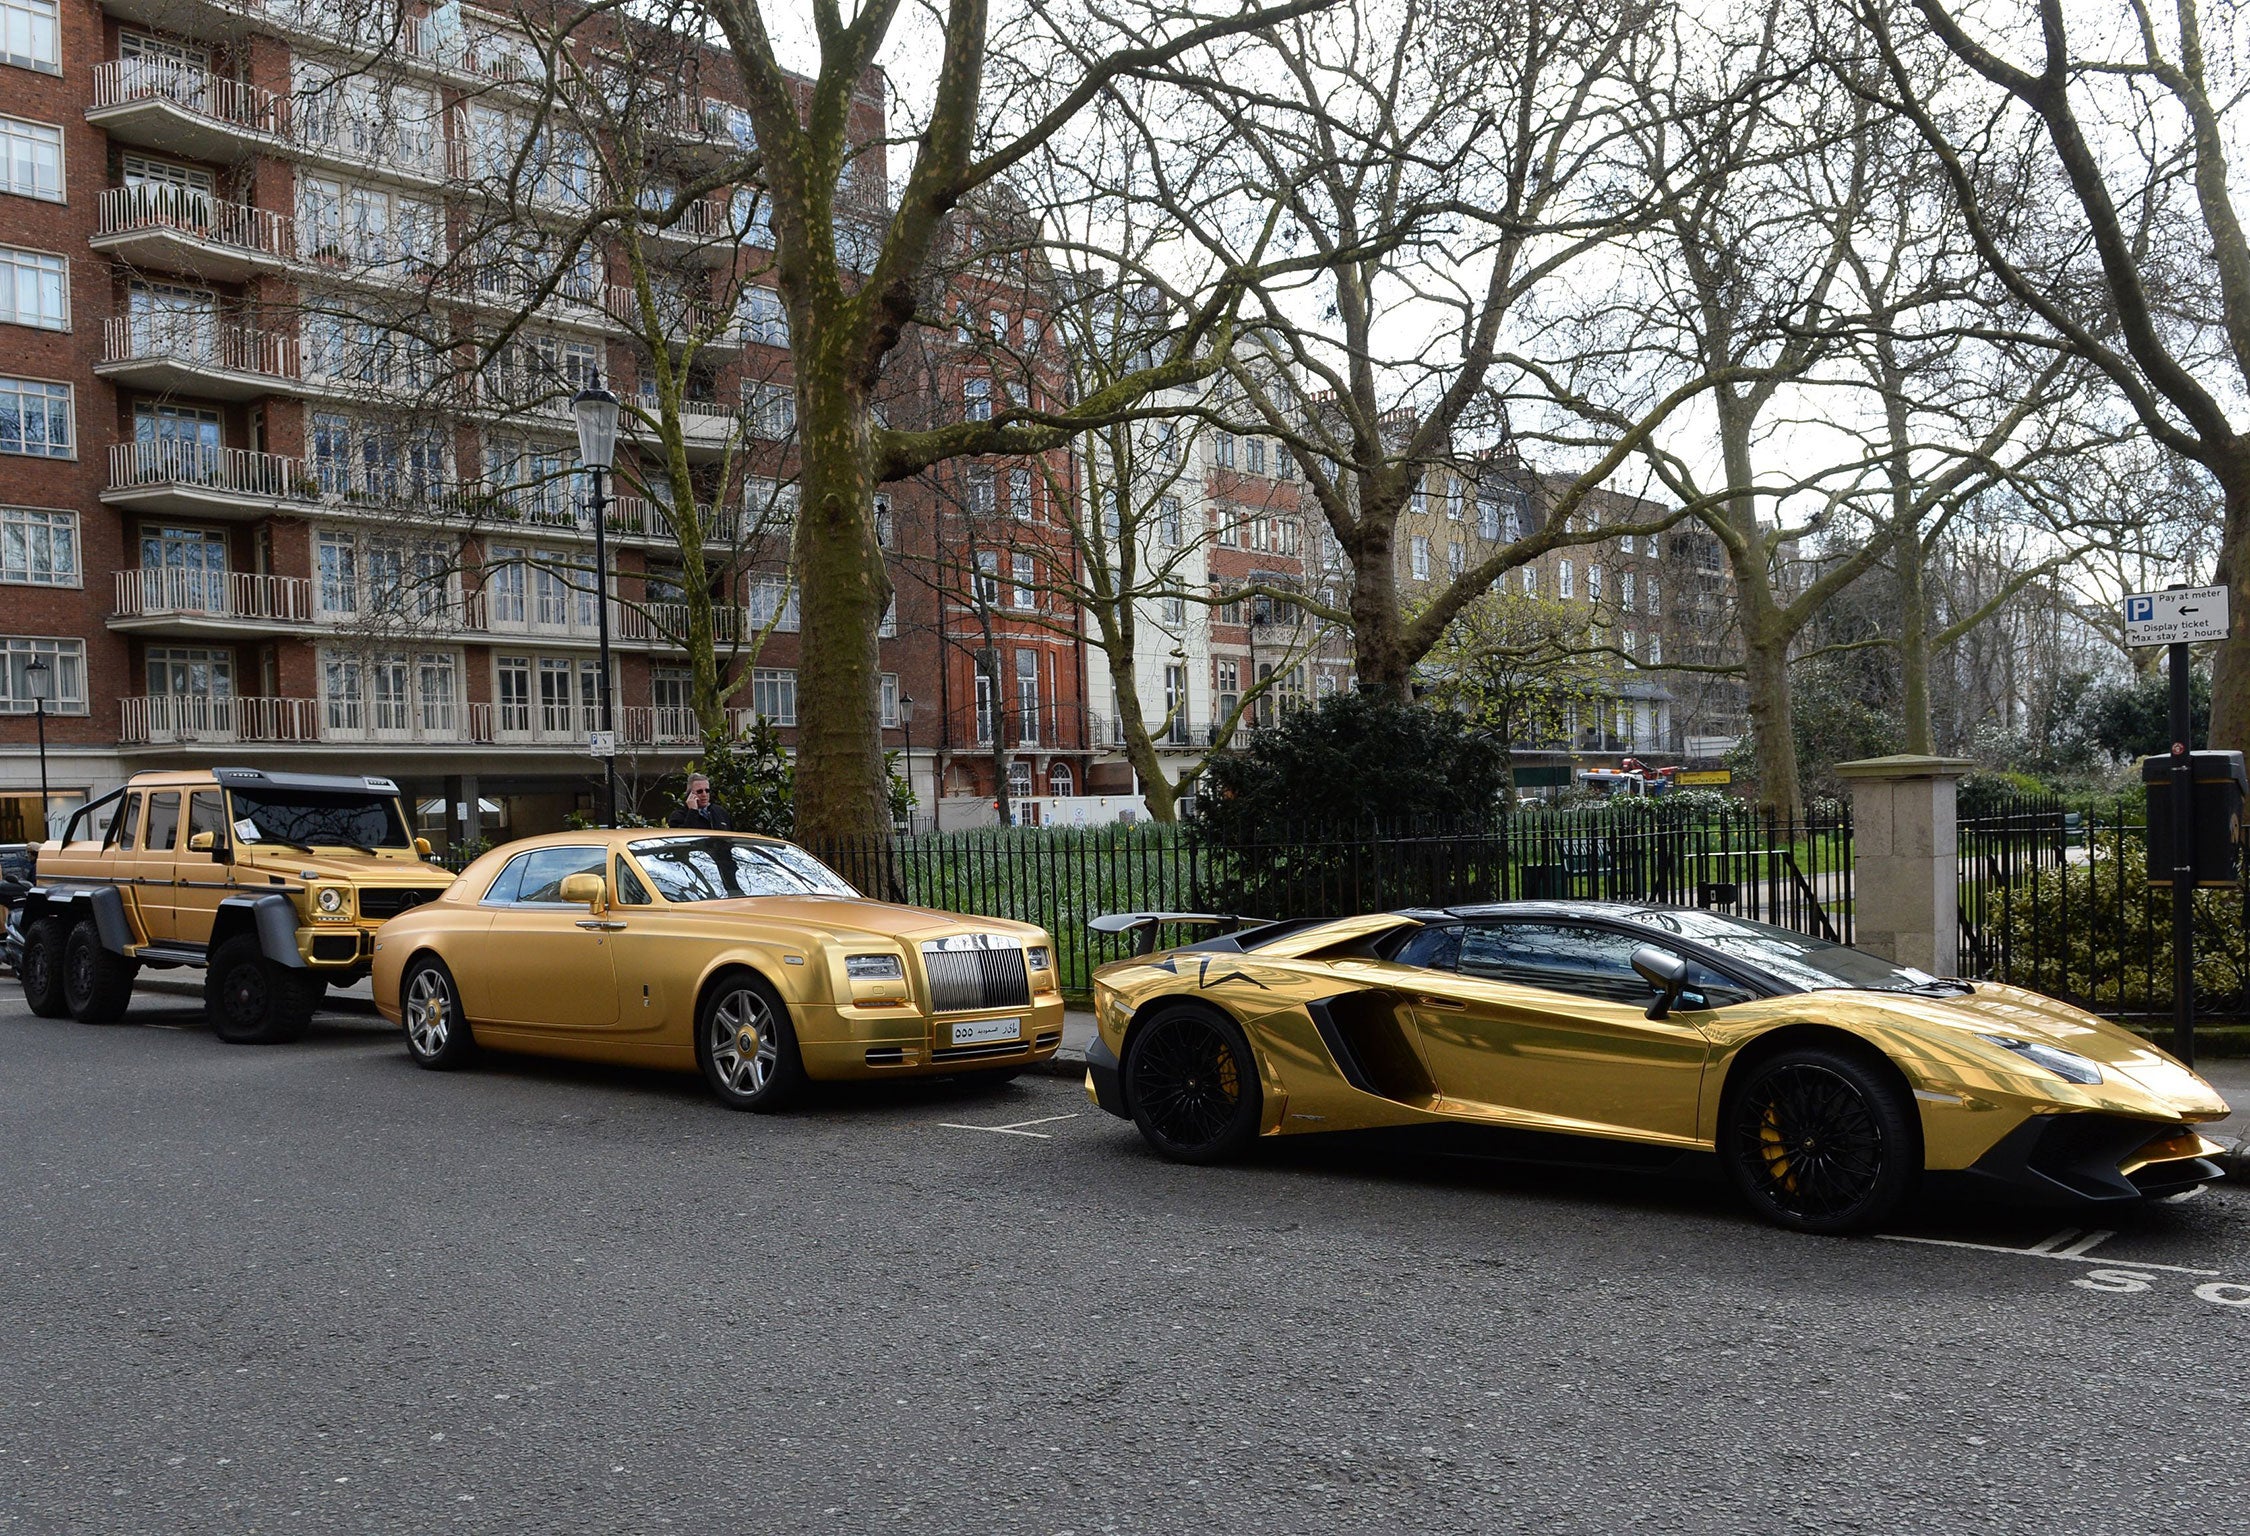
(1906, 883)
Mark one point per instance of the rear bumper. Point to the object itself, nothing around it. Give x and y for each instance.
(2091, 1158)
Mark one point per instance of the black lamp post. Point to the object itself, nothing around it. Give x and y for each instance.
(39, 679)
(906, 724)
(596, 410)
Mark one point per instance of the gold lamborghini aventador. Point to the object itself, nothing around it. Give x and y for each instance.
(1828, 1080)
(743, 957)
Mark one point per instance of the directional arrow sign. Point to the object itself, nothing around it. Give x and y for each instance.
(2182, 614)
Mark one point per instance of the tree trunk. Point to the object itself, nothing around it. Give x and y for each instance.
(1765, 638)
(2230, 666)
(1378, 638)
(842, 789)
(1765, 673)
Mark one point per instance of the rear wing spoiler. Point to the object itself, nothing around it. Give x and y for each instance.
(1143, 925)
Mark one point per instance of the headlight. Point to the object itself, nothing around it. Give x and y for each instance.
(2068, 1065)
(330, 899)
(874, 968)
(1038, 957)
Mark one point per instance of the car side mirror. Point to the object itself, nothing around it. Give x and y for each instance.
(591, 890)
(1664, 971)
(421, 847)
(202, 842)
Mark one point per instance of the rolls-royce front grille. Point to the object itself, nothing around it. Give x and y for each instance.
(379, 901)
(974, 973)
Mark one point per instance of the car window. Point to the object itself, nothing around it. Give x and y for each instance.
(535, 878)
(1579, 961)
(1434, 949)
(128, 823)
(630, 891)
(207, 813)
(163, 822)
(723, 868)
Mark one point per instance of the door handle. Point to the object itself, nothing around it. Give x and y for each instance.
(1441, 1002)
(600, 925)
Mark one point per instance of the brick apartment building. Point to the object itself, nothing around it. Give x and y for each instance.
(238, 523)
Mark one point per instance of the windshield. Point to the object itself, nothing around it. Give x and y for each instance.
(1808, 964)
(721, 868)
(305, 818)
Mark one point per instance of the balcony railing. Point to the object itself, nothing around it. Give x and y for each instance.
(200, 341)
(170, 718)
(214, 98)
(160, 593)
(238, 470)
(198, 217)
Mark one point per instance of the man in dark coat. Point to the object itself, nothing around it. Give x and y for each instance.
(700, 810)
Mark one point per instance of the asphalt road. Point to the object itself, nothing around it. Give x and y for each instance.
(314, 1288)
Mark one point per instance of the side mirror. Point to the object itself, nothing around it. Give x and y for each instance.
(422, 847)
(1664, 971)
(202, 842)
(592, 890)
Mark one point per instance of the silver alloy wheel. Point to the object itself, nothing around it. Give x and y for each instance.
(429, 1011)
(743, 1049)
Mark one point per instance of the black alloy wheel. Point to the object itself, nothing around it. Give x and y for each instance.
(1821, 1141)
(97, 985)
(42, 972)
(252, 1001)
(1192, 1085)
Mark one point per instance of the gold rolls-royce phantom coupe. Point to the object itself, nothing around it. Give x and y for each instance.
(743, 957)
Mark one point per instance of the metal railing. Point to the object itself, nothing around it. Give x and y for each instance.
(214, 98)
(195, 216)
(179, 718)
(200, 341)
(135, 466)
(159, 592)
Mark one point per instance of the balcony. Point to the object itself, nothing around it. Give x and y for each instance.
(679, 317)
(184, 719)
(188, 479)
(165, 601)
(174, 229)
(195, 353)
(182, 110)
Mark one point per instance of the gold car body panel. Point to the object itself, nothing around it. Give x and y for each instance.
(1578, 1078)
(623, 983)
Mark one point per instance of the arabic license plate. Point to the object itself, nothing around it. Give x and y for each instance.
(985, 1031)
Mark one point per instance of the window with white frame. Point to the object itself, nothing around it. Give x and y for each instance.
(189, 671)
(507, 586)
(511, 695)
(34, 289)
(1027, 696)
(886, 533)
(672, 691)
(359, 113)
(1488, 518)
(1625, 590)
(361, 576)
(1655, 650)
(382, 462)
(769, 504)
(1228, 534)
(533, 367)
(1593, 583)
(764, 319)
(771, 409)
(1653, 607)
(1565, 586)
(773, 603)
(1417, 499)
(888, 628)
(31, 35)
(1531, 581)
(1168, 441)
(1168, 529)
(66, 677)
(773, 694)
(33, 164)
(385, 694)
(1175, 609)
(35, 419)
(1021, 494)
(1222, 450)
(978, 484)
(976, 399)
(890, 700)
(1456, 558)
(1455, 501)
(1025, 594)
(985, 720)
(751, 213)
(1419, 553)
(988, 577)
(1631, 643)
(39, 547)
(1254, 455)
(1514, 529)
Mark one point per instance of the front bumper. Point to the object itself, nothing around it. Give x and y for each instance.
(2093, 1158)
(856, 1042)
(1105, 1080)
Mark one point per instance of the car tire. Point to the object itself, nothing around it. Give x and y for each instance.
(252, 1001)
(1191, 1083)
(747, 1047)
(1821, 1140)
(41, 970)
(437, 1032)
(97, 985)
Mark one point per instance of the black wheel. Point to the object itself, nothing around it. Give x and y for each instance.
(1821, 1140)
(437, 1034)
(746, 1047)
(96, 984)
(42, 968)
(252, 1001)
(1192, 1085)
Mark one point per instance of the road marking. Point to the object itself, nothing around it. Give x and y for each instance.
(1017, 1129)
(2054, 1242)
(2086, 1244)
(2041, 1253)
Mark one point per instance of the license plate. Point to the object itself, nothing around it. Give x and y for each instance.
(985, 1031)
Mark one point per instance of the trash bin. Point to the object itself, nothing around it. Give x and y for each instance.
(2220, 784)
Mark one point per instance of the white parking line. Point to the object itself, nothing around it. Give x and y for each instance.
(2076, 1255)
(1016, 1129)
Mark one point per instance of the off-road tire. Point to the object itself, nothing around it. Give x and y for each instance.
(252, 1001)
(96, 984)
(41, 970)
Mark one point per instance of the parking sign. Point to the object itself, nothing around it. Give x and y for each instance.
(2180, 615)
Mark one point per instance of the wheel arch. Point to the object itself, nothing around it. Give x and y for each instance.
(1165, 1001)
(270, 919)
(1802, 1034)
(723, 969)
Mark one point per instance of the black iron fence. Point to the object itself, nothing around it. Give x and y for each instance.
(2058, 900)
(1792, 871)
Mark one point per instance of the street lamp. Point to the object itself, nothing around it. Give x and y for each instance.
(39, 681)
(906, 724)
(596, 410)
